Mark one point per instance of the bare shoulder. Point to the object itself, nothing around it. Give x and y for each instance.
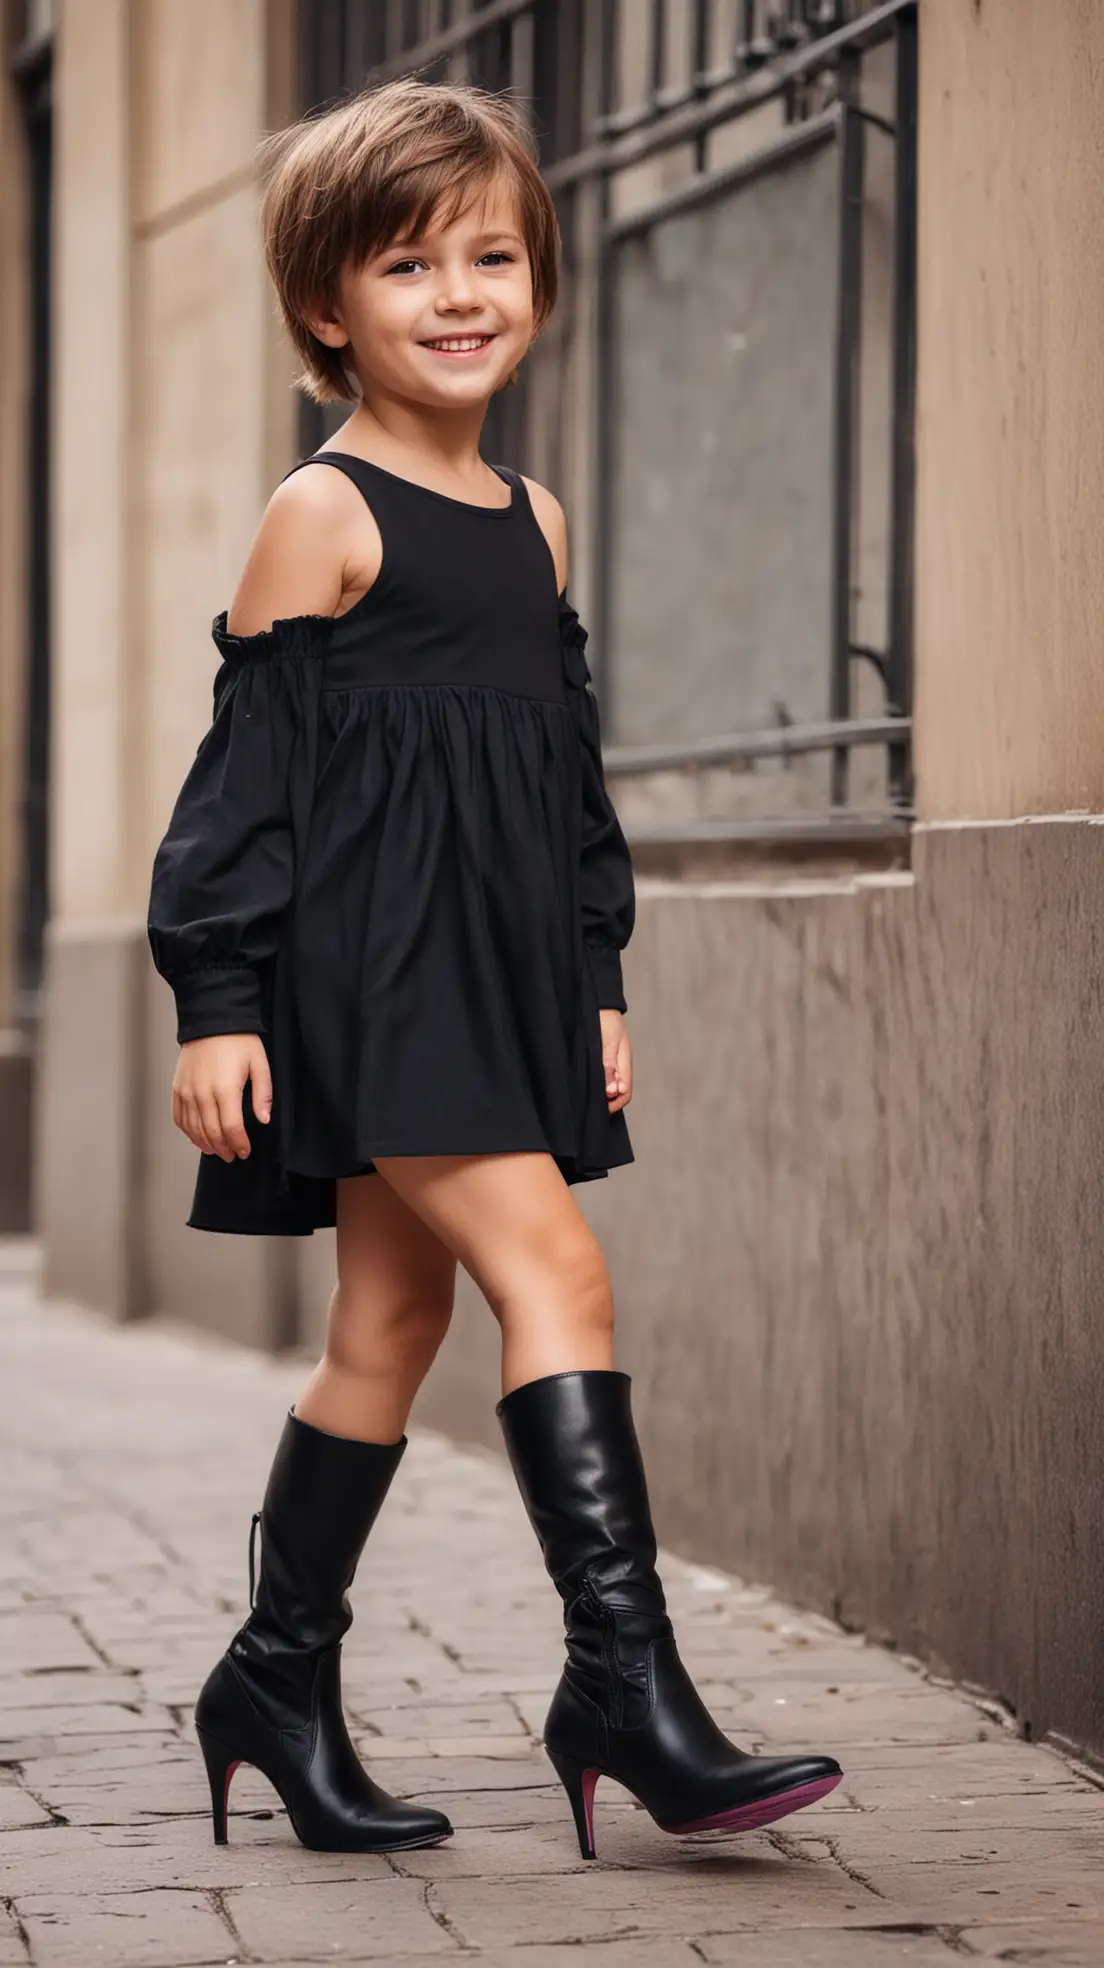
(552, 521)
(316, 550)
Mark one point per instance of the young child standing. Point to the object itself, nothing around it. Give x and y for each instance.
(391, 903)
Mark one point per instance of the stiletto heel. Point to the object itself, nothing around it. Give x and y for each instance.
(579, 1783)
(221, 1765)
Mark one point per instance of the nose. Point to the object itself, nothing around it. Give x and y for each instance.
(458, 287)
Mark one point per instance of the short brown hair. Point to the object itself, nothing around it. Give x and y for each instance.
(381, 166)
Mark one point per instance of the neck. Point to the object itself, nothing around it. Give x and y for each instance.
(391, 431)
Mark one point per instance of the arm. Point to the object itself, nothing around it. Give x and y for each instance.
(606, 877)
(224, 872)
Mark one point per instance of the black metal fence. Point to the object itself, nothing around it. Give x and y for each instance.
(645, 110)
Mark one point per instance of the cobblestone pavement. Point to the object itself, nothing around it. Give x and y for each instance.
(132, 1459)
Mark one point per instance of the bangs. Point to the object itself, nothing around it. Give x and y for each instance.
(430, 195)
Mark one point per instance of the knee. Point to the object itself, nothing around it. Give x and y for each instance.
(580, 1280)
(408, 1327)
(590, 1291)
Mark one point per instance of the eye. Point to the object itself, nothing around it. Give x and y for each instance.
(497, 253)
(401, 264)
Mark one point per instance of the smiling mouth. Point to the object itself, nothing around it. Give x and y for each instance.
(459, 344)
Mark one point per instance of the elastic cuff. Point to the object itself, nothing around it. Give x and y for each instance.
(215, 1001)
(605, 969)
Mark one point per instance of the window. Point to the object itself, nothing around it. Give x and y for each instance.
(724, 400)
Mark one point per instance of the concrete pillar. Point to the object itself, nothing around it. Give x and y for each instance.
(13, 400)
(88, 1084)
(1009, 572)
(15, 1059)
(174, 414)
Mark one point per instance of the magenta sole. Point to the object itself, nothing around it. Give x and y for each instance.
(749, 1817)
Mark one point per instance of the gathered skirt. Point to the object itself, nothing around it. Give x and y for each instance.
(433, 993)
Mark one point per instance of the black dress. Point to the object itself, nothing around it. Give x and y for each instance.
(395, 857)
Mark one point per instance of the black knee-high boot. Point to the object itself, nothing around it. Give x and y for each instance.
(625, 1706)
(274, 1699)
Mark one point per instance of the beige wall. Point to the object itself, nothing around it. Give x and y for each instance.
(13, 402)
(1010, 573)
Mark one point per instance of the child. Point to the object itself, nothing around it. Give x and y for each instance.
(391, 903)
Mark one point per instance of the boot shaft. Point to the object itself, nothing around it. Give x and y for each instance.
(323, 1495)
(574, 1451)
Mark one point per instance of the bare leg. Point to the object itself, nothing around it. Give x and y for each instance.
(388, 1315)
(513, 1223)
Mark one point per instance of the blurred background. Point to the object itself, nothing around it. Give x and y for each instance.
(822, 397)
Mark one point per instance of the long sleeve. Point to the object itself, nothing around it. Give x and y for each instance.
(606, 875)
(223, 875)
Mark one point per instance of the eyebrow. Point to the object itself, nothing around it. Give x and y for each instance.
(500, 232)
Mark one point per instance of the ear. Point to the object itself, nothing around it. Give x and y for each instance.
(328, 328)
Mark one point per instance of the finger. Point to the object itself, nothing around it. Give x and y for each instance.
(229, 1103)
(212, 1126)
(178, 1111)
(260, 1078)
(193, 1126)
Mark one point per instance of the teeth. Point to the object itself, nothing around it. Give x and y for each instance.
(468, 342)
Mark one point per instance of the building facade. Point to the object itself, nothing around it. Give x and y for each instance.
(821, 400)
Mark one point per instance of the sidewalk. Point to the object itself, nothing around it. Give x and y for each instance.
(132, 1459)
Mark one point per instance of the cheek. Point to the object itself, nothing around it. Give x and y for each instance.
(384, 316)
(518, 301)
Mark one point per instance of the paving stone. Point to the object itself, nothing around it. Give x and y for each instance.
(513, 1809)
(426, 1776)
(1057, 1946)
(13, 1951)
(107, 1718)
(898, 1840)
(461, 1721)
(499, 1852)
(158, 1929)
(43, 1641)
(39, 1688)
(377, 1919)
(841, 1948)
(19, 1810)
(104, 1793)
(892, 1777)
(1052, 1884)
(681, 1893)
(667, 1953)
(176, 1852)
(883, 1714)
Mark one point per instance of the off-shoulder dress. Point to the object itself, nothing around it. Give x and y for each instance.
(395, 857)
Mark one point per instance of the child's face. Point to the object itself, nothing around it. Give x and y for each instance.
(469, 281)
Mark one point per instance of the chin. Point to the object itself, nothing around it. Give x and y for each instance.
(467, 390)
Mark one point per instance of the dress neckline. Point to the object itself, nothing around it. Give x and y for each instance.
(465, 505)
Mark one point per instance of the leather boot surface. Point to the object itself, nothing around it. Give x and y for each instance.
(274, 1698)
(625, 1706)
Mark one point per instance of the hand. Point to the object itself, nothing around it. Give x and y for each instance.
(207, 1092)
(617, 1060)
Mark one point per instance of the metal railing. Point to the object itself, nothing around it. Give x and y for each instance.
(617, 85)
